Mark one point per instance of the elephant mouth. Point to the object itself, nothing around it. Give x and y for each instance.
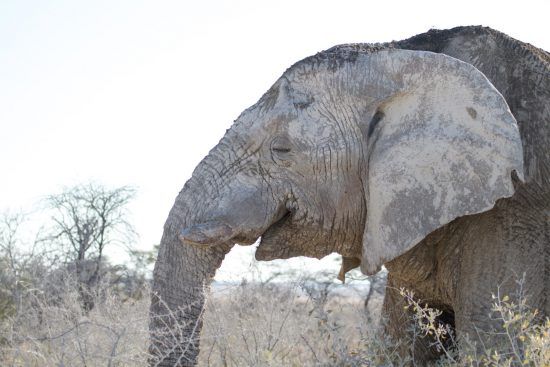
(272, 246)
(290, 237)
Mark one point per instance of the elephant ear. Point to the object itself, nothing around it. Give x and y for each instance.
(441, 147)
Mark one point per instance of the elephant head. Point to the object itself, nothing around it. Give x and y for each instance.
(363, 152)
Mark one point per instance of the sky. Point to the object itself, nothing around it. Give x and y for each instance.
(137, 92)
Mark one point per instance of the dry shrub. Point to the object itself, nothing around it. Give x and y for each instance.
(519, 337)
(54, 330)
(302, 323)
(308, 324)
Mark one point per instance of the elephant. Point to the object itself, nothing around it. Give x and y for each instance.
(429, 156)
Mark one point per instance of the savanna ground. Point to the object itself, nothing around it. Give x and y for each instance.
(303, 323)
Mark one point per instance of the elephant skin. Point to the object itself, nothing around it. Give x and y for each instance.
(429, 156)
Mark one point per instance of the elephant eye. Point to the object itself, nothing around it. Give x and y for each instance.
(281, 149)
(281, 145)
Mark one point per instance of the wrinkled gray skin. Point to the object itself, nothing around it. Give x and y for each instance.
(406, 159)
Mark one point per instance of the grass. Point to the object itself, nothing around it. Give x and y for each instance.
(302, 323)
(271, 324)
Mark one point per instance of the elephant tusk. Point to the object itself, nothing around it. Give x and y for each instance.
(348, 263)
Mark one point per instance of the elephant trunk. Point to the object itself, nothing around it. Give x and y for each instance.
(182, 276)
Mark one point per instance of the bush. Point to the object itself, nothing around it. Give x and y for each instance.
(299, 323)
(57, 331)
(282, 324)
(523, 337)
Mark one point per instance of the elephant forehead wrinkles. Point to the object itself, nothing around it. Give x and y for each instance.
(311, 128)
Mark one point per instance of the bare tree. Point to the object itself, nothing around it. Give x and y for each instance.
(23, 262)
(86, 219)
(10, 263)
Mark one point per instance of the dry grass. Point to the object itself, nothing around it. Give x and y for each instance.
(271, 324)
(248, 324)
(302, 323)
(57, 332)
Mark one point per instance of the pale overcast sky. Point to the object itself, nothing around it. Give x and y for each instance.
(137, 92)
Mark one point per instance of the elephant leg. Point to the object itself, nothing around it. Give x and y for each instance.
(413, 345)
(504, 253)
